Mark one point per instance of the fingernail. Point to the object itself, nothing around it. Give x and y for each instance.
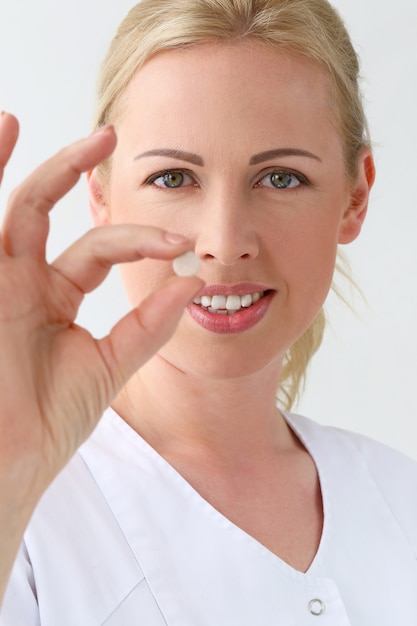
(174, 238)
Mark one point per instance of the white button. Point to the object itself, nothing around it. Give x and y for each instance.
(316, 607)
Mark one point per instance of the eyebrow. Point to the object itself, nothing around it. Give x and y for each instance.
(281, 152)
(196, 159)
(174, 154)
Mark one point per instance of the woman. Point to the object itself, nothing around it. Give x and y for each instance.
(196, 500)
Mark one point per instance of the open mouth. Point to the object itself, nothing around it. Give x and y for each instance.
(229, 305)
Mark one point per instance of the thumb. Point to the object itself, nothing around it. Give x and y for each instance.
(138, 335)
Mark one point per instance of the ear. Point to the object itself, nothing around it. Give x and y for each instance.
(97, 201)
(354, 215)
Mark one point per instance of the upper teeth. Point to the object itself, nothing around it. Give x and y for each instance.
(227, 304)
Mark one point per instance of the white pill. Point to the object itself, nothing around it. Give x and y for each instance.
(187, 264)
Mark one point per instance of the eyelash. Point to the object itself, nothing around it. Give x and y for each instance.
(302, 180)
(151, 180)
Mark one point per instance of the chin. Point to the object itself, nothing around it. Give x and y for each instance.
(221, 362)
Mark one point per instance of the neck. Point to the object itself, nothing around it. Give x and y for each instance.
(228, 416)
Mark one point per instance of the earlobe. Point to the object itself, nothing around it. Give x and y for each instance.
(98, 206)
(355, 214)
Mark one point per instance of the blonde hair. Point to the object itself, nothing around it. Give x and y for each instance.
(306, 28)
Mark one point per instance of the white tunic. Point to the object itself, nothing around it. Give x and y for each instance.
(121, 539)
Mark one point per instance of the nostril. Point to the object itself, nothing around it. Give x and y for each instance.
(226, 250)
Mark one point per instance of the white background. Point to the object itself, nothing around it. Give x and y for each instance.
(364, 377)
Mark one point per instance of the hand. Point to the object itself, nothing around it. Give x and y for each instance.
(55, 378)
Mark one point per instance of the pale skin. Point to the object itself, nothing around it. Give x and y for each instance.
(55, 379)
(216, 421)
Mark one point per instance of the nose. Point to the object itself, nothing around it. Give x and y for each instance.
(226, 232)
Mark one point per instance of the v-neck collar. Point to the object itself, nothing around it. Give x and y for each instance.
(189, 551)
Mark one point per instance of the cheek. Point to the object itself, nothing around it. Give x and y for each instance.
(129, 206)
(143, 277)
(308, 259)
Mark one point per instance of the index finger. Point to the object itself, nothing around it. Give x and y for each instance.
(9, 132)
(26, 224)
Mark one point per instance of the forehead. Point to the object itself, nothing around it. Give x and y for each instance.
(231, 63)
(237, 89)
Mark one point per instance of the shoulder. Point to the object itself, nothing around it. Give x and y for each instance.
(67, 532)
(383, 460)
(392, 473)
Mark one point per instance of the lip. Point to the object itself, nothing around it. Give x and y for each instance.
(239, 289)
(238, 322)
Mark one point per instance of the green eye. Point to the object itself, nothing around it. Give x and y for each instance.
(172, 179)
(283, 180)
